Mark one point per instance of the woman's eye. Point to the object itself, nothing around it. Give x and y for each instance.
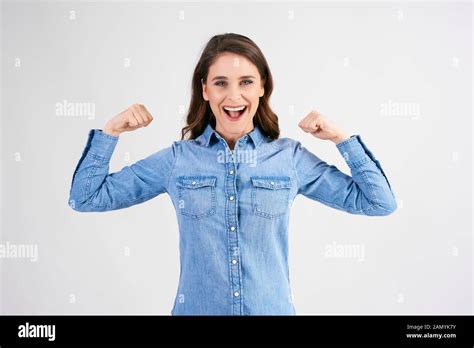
(245, 83)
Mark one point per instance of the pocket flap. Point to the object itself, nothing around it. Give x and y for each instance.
(271, 182)
(196, 181)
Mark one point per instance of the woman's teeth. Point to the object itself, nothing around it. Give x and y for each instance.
(234, 109)
(234, 112)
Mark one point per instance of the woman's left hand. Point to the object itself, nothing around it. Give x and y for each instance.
(319, 126)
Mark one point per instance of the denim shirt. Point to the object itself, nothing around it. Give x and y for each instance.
(232, 208)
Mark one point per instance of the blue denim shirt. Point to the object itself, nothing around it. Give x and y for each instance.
(232, 208)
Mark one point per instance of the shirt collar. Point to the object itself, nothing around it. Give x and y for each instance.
(210, 135)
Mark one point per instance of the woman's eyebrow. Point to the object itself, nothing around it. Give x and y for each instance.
(225, 77)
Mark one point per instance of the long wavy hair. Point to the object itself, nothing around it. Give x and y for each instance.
(200, 113)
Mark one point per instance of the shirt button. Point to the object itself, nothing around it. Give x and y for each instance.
(232, 228)
(231, 198)
(234, 262)
(231, 172)
(236, 294)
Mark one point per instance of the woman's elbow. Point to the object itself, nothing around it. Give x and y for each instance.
(79, 205)
(76, 205)
(384, 208)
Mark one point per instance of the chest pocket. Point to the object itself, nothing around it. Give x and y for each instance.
(270, 195)
(196, 195)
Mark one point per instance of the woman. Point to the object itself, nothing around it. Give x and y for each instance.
(232, 181)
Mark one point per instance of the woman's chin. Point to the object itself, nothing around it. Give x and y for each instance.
(236, 127)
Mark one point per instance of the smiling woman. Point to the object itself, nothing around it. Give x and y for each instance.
(232, 181)
(231, 89)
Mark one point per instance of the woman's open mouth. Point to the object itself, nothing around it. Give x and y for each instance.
(234, 113)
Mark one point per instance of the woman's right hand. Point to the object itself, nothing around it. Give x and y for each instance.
(136, 116)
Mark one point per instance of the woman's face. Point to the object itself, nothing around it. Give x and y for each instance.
(233, 82)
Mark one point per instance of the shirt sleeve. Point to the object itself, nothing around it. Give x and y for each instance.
(366, 192)
(94, 189)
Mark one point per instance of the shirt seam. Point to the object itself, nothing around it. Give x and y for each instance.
(294, 170)
(97, 160)
(349, 209)
(175, 150)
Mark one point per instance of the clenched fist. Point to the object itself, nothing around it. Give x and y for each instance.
(322, 128)
(136, 116)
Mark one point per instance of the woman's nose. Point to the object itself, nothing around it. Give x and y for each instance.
(234, 94)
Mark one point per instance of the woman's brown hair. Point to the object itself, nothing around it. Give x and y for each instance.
(200, 113)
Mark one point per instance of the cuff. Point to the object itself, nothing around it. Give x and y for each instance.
(101, 144)
(356, 153)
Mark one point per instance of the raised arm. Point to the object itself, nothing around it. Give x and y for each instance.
(367, 192)
(94, 189)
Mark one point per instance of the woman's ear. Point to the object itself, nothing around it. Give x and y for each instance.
(204, 92)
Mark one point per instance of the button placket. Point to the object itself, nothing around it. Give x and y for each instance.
(232, 223)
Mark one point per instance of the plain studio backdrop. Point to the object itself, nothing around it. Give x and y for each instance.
(397, 73)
